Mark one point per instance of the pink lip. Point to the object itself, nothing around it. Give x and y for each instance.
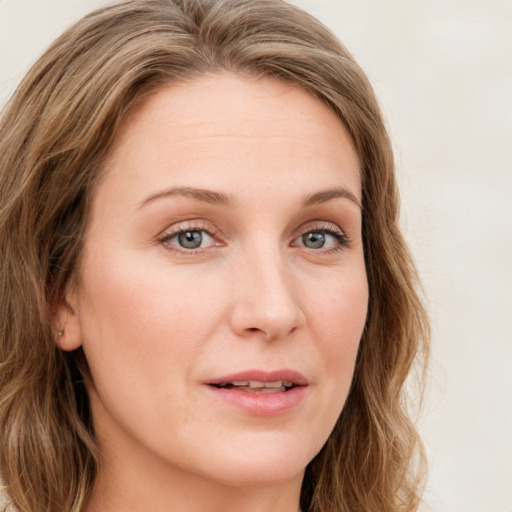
(271, 404)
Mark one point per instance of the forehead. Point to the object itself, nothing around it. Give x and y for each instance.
(208, 125)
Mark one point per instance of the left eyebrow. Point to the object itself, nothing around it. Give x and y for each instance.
(327, 195)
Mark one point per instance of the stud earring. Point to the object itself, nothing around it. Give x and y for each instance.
(61, 332)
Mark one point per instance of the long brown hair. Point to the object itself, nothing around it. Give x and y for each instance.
(54, 135)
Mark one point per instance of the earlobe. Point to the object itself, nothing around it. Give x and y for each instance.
(67, 326)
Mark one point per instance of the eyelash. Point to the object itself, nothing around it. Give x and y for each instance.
(192, 227)
(343, 241)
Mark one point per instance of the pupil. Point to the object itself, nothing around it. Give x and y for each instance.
(190, 239)
(314, 240)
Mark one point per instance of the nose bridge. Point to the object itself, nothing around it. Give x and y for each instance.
(266, 300)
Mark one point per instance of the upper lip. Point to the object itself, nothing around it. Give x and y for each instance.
(262, 376)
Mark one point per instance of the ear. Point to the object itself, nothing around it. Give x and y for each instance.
(66, 322)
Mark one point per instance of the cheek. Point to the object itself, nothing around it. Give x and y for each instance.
(122, 292)
(339, 307)
(142, 321)
(143, 331)
(337, 317)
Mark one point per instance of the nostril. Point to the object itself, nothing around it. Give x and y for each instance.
(265, 334)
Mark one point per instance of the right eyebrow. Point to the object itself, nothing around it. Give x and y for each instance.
(201, 194)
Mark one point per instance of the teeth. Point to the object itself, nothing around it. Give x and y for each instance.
(256, 384)
(259, 384)
(276, 384)
(240, 383)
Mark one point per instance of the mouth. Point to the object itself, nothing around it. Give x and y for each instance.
(261, 382)
(256, 386)
(261, 393)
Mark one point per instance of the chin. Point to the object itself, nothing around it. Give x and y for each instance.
(259, 474)
(260, 464)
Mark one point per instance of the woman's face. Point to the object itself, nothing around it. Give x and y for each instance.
(222, 291)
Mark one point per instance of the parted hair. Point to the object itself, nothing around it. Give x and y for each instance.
(55, 133)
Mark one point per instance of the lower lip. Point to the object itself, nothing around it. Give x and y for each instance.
(264, 404)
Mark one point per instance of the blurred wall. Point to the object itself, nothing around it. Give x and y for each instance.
(443, 72)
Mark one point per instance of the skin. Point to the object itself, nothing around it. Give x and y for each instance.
(157, 321)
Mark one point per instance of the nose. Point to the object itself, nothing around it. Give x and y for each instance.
(266, 300)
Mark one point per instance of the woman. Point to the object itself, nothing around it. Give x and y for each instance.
(206, 300)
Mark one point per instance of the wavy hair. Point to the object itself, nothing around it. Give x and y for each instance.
(54, 135)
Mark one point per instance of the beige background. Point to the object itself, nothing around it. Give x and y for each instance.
(443, 72)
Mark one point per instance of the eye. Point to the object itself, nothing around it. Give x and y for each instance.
(315, 239)
(326, 239)
(189, 239)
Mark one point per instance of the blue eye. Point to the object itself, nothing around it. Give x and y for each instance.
(322, 239)
(190, 239)
(314, 239)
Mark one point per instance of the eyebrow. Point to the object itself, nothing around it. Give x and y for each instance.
(327, 195)
(219, 198)
(207, 196)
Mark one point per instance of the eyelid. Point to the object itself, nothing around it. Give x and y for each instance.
(190, 225)
(327, 227)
